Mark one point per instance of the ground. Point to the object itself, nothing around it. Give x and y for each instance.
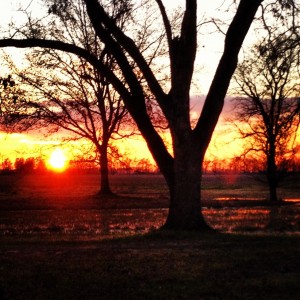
(59, 241)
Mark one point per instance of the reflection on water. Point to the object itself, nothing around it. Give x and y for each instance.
(291, 199)
(237, 198)
(131, 221)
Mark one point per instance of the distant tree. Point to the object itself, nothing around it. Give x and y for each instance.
(78, 102)
(40, 165)
(24, 166)
(19, 163)
(182, 166)
(6, 165)
(144, 166)
(268, 110)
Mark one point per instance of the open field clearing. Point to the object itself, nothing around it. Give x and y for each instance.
(124, 222)
(64, 204)
(60, 241)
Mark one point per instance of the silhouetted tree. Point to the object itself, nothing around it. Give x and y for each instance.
(24, 166)
(6, 165)
(40, 165)
(67, 93)
(182, 167)
(268, 110)
(72, 97)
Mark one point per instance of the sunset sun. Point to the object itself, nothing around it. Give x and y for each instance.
(57, 160)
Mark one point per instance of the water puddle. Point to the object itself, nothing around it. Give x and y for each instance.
(238, 199)
(294, 200)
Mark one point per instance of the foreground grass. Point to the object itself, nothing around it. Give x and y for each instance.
(159, 265)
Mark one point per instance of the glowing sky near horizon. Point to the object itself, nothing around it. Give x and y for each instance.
(210, 47)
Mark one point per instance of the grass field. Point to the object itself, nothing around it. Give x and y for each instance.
(59, 241)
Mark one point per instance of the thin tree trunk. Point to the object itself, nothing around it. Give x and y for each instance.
(104, 173)
(272, 176)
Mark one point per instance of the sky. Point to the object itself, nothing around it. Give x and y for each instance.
(210, 48)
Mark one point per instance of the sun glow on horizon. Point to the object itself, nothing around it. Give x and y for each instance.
(57, 160)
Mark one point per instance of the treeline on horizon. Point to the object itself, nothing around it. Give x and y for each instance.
(143, 166)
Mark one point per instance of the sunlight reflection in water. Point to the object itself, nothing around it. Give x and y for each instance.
(292, 200)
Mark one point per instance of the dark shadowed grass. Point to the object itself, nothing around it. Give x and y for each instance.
(159, 265)
(57, 241)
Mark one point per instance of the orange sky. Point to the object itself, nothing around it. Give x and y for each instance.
(210, 49)
(223, 145)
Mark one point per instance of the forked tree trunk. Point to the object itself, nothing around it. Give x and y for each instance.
(183, 174)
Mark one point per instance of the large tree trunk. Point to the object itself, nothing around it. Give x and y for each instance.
(185, 187)
(190, 146)
(183, 173)
(185, 198)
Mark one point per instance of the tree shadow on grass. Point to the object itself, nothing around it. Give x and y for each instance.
(160, 264)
